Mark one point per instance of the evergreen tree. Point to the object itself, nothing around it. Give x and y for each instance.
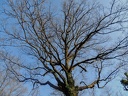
(124, 82)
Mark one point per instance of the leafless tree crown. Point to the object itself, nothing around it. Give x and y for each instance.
(77, 49)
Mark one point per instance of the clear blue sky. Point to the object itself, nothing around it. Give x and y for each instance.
(115, 84)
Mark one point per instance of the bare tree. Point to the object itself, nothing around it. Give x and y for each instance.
(10, 86)
(75, 49)
(108, 91)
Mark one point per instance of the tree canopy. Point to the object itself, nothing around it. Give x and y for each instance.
(74, 49)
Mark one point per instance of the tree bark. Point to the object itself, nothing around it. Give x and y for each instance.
(70, 88)
(70, 91)
(73, 93)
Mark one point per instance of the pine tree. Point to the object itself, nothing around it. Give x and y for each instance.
(124, 82)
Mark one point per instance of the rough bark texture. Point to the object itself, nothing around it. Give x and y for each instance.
(70, 88)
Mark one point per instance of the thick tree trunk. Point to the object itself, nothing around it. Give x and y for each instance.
(71, 92)
(70, 89)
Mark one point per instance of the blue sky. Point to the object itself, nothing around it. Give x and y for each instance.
(45, 90)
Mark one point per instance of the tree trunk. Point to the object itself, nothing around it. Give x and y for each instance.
(70, 89)
(71, 93)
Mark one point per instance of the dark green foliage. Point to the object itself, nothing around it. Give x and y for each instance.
(124, 82)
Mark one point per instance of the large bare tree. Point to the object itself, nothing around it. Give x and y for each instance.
(75, 48)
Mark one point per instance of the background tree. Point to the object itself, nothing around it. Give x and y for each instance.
(72, 50)
(124, 82)
(10, 86)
